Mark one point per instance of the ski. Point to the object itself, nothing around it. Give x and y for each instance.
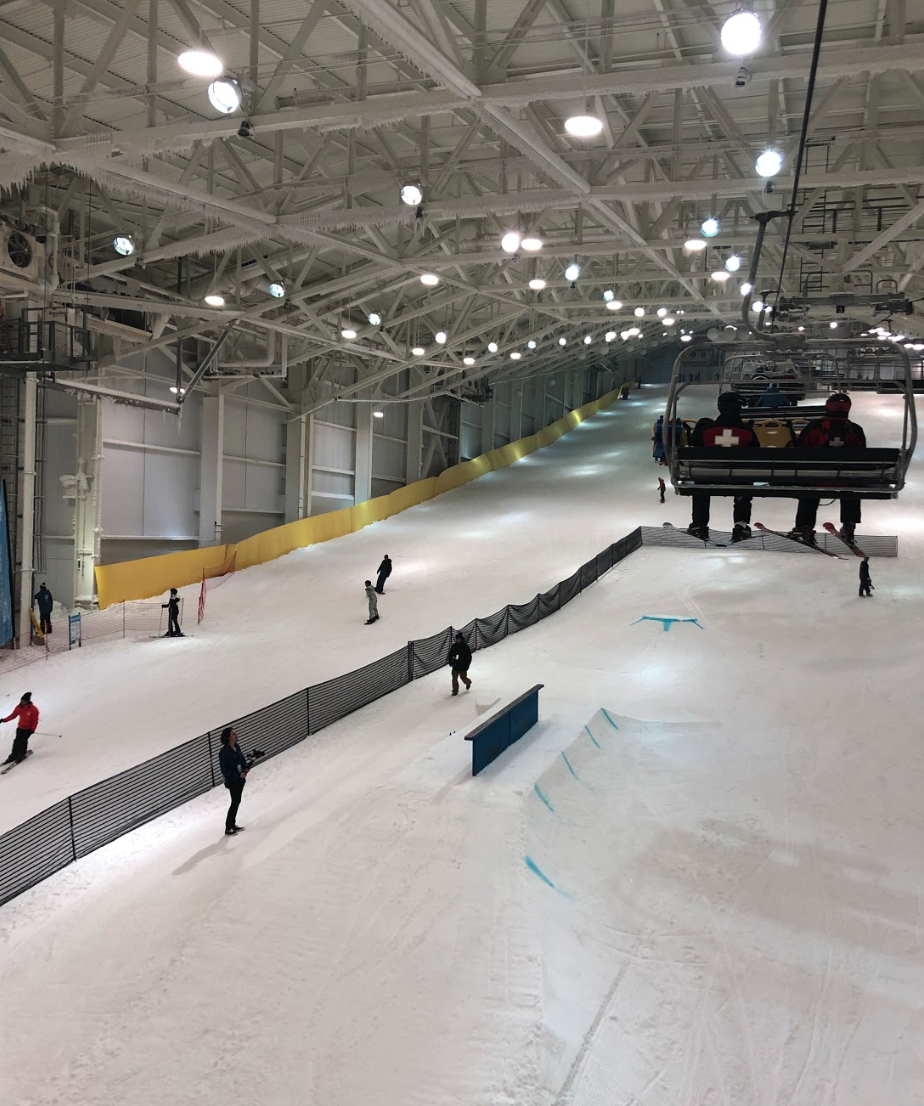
(705, 541)
(852, 546)
(10, 767)
(798, 541)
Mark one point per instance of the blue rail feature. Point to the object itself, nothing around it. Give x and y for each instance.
(497, 733)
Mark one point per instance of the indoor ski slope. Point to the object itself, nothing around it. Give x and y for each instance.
(696, 882)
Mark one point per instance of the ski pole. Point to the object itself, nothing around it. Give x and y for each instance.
(41, 733)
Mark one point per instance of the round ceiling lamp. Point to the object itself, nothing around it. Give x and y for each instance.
(124, 245)
(686, 337)
(225, 95)
(746, 289)
(349, 333)
(277, 290)
(639, 312)
(531, 243)
(583, 126)
(510, 242)
(412, 195)
(609, 295)
(492, 347)
(710, 227)
(741, 33)
(610, 335)
(429, 279)
(515, 356)
(537, 284)
(201, 63)
(769, 163)
(213, 299)
(614, 305)
(694, 245)
(531, 344)
(573, 271)
(733, 263)
(587, 339)
(720, 276)
(418, 351)
(374, 318)
(468, 360)
(562, 342)
(440, 337)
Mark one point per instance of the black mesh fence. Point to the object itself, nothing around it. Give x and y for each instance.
(76, 826)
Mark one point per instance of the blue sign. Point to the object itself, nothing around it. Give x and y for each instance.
(73, 630)
(6, 573)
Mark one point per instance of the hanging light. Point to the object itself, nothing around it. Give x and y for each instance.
(375, 319)
(430, 279)
(686, 337)
(349, 333)
(833, 326)
(720, 276)
(573, 271)
(609, 295)
(378, 414)
(661, 312)
(516, 355)
(757, 305)
(177, 391)
(668, 320)
(733, 263)
(710, 226)
(124, 245)
(213, 299)
(587, 339)
(741, 33)
(746, 289)
(201, 63)
(614, 305)
(492, 347)
(562, 342)
(277, 290)
(412, 195)
(610, 335)
(639, 312)
(225, 95)
(625, 335)
(583, 126)
(769, 163)
(510, 243)
(537, 284)
(418, 351)
(468, 360)
(440, 337)
(694, 245)
(531, 344)
(531, 243)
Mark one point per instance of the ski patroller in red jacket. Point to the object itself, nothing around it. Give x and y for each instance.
(27, 714)
(727, 431)
(832, 433)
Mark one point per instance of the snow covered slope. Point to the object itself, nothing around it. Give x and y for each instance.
(736, 868)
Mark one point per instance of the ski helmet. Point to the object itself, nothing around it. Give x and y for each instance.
(838, 405)
(730, 401)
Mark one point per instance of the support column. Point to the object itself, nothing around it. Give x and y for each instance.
(27, 505)
(362, 463)
(298, 468)
(211, 470)
(414, 441)
(516, 412)
(487, 425)
(88, 500)
(540, 413)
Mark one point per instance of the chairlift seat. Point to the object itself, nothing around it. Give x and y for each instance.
(784, 473)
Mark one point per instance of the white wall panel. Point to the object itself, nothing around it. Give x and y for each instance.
(170, 481)
(322, 504)
(389, 459)
(335, 483)
(470, 432)
(123, 492)
(333, 447)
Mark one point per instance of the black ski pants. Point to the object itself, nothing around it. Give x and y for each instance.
(237, 790)
(20, 744)
(45, 623)
(807, 511)
(174, 626)
(380, 582)
(741, 511)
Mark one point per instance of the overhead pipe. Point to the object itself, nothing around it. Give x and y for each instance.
(206, 364)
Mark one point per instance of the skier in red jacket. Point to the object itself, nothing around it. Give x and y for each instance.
(28, 715)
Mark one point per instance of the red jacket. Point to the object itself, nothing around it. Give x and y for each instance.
(28, 716)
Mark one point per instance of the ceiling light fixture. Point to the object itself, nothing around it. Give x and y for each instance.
(537, 284)
(201, 63)
(375, 319)
(562, 342)
(746, 289)
(769, 163)
(177, 391)
(531, 243)
(468, 360)
(510, 242)
(686, 337)
(225, 95)
(492, 347)
(412, 195)
(378, 414)
(733, 263)
(833, 326)
(573, 271)
(348, 333)
(609, 295)
(440, 337)
(710, 227)
(741, 33)
(429, 279)
(610, 335)
(583, 126)
(757, 305)
(531, 344)
(213, 299)
(124, 245)
(277, 290)
(694, 245)
(720, 276)
(515, 356)
(587, 339)
(639, 312)
(662, 311)
(614, 305)
(418, 351)
(668, 320)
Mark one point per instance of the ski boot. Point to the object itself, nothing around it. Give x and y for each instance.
(701, 532)
(741, 532)
(805, 534)
(846, 532)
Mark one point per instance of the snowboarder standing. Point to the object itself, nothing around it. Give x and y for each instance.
(834, 431)
(460, 657)
(383, 574)
(45, 602)
(657, 438)
(28, 716)
(866, 584)
(173, 615)
(662, 487)
(234, 770)
(731, 432)
(373, 604)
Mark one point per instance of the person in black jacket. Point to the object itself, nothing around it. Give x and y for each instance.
(460, 657)
(234, 769)
(173, 615)
(384, 573)
(45, 602)
(728, 431)
(866, 584)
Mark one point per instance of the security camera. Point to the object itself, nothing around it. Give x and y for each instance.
(768, 188)
(742, 77)
(245, 130)
(574, 284)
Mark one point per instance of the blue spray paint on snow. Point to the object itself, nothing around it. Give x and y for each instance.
(666, 623)
(534, 867)
(539, 792)
(592, 738)
(610, 720)
(570, 769)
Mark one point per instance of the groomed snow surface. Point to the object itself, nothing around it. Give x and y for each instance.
(697, 882)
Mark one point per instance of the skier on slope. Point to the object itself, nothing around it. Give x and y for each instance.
(173, 615)
(662, 488)
(834, 431)
(383, 574)
(773, 397)
(45, 602)
(866, 584)
(657, 449)
(727, 431)
(373, 604)
(27, 715)
(460, 658)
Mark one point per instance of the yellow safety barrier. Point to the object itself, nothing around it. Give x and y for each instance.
(150, 576)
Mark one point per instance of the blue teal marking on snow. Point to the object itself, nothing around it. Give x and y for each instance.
(570, 769)
(610, 720)
(666, 623)
(592, 738)
(536, 870)
(539, 792)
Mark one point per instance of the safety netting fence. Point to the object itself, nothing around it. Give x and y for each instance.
(213, 578)
(76, 826)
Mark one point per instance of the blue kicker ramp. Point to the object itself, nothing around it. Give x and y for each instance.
(501, 730)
